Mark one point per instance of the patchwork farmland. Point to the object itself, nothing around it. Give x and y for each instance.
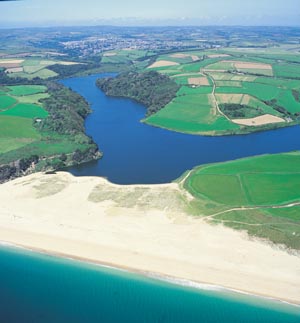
(229, 92)
(30, 68)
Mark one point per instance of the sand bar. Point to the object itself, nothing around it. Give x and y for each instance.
(143, 227)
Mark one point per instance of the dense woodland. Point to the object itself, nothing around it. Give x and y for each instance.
(234, 111)
(67, 111)
(152, 89)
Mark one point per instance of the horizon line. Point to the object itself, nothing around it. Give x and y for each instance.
(147, 26)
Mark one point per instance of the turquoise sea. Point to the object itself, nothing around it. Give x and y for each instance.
(38, 288)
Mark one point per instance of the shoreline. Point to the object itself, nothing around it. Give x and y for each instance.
(144, 229)
(240, 132)
(180, 281)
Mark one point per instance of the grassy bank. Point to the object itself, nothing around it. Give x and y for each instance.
(260, 195)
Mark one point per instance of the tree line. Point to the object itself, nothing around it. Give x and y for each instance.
(152, 89)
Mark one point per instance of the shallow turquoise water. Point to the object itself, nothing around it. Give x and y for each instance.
(43, 289)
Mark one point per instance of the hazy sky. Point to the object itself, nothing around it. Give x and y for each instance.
(243, 12)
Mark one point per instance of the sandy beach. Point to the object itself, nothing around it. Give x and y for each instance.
(141, 227)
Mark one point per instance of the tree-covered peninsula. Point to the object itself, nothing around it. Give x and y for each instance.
(152, 89)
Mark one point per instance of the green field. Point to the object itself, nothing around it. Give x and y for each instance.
(33, 98)
(257, 194)
(19, 107)
(6, 101)
(191, 113)
(124, 56)
(287, 70)
(20, 90)
(241, 72)
(42, 146)
(44, 73)
(16, 132)
(26, 111)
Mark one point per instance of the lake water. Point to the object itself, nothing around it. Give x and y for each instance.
(37, 288)
(137, 153)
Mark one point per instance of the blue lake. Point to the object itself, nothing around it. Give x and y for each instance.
(137, 153)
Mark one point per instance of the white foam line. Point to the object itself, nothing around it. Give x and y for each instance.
(156, 276)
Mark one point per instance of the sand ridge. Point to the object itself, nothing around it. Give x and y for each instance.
(144, 227)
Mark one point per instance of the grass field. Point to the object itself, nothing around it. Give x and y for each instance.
(6, 101)
(20, 90)
(258, 194)
(16, 132)
(19, 107)
(26, 110)
(193, 112)
(33, 98)
(35, 67)
(42, 73)
(42, 146)
(124, 56)
(266, 80)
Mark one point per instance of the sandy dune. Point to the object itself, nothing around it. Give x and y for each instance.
(143, 227)
(258, 121)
